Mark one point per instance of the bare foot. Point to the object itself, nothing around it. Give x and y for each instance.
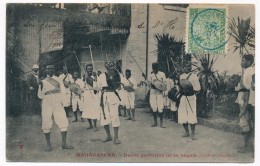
(186, 135)
(107, 139)
(48, 149)
(117, 141)
(95, 129)
(154, 125)
(67, 147)
(193, 137)
(162, 126)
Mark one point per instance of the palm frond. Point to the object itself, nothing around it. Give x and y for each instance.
(204, 66)
(243, 33)
(167, 46)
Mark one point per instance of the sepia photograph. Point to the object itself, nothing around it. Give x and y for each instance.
(130, 83)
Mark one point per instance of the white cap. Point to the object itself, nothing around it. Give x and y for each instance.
(35, 66)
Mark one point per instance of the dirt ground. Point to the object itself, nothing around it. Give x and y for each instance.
(140, 143)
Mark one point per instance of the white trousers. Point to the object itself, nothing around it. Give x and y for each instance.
(77, 101)
(130, 102)
(156, 100)
(52, 106)
(111, 103)
(187, 110)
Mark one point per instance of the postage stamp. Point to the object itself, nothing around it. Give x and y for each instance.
(207, 30)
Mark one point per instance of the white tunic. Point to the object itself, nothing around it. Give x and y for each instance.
(91, 102)
(111, 103)
(156, 96)
(52, 106)
(78, 99)
(187, 108)
(130, 96)
(247, 82)
(66, 97)
(121, 92)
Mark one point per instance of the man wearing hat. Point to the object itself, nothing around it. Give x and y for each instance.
(110, 100)
(50, 91)
(34, 102)
(156, 95)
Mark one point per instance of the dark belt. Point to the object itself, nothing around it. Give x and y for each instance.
(244, 90)
(191, 94)
(107, 90)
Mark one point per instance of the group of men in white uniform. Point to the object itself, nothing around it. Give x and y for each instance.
(102, 95)
(187, 107)
(98, 99)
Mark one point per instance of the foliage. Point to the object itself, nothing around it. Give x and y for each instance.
(15, 53)
(208, 80)
(223, 98)
(166, 44)
(169, 50)
(243, 33)
(208, 77)
(227, 83)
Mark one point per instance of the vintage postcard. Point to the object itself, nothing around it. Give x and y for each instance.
(117, 82)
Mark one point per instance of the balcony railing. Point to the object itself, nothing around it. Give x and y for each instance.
(114, 9)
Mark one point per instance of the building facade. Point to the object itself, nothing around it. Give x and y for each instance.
(81, 33)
